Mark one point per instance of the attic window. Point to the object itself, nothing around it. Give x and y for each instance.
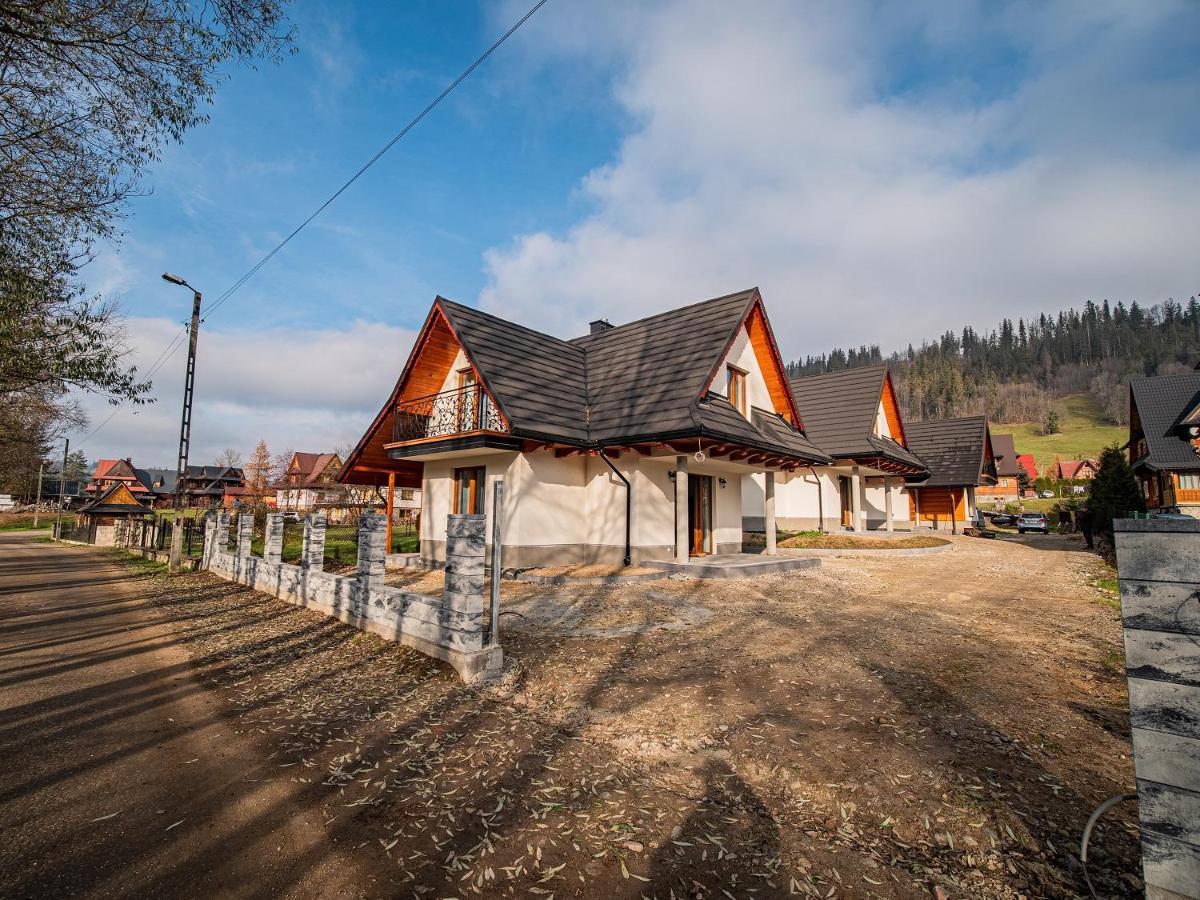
(736, 392)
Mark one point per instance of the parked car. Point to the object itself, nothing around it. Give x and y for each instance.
(291, 516)
(1046, 495)
(1004, 519)
(1172, 512)
(1033, 521)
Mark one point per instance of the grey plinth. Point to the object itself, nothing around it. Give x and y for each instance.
(245, 533)
(312, 555)
(466, 541)
(273, 538)
(372, 552)
(1158, 562)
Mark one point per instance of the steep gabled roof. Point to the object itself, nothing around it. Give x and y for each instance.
(840, 410)
(1026, 462)
(955, 450)
(1005, 450)
(1163, 404)
(538, 381)
(116, 499)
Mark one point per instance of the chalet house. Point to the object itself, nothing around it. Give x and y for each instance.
(626, 444)
(161, 484)
(211, 486)
(310, 481)
(1074, 469)
(853, 416)
(1026, 462)
(116, 471)
(115, 503)
(961, 461)
(1164, 440)
(1008, 472)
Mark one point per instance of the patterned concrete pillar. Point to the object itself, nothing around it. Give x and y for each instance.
(372, 556)
(210, 539)
(769, 512)
(312, 556)
(222, 527)
(273, 538)
(466, 542)
(245, 533)
(682, 538)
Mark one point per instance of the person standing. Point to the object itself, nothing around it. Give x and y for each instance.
(1086, 520)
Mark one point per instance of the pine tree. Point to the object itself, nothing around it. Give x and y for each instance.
(1114, 491)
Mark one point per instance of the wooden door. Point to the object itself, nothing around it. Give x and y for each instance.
(844, 497)
(700, 495)
(468, 400)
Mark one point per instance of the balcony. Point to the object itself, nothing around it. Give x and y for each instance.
(464, 411)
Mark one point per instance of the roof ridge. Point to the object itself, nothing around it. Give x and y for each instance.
(509, 322)
(666, 312)
(856, 370)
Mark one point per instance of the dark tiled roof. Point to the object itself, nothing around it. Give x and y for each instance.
(639, 381)
(1005, 452)
(645, 377)
(1162, 402)
(159, 481)
(537, 380)
(953, 449)
(838, 410)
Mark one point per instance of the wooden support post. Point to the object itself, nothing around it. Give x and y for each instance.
(391, 509)
(953, 512)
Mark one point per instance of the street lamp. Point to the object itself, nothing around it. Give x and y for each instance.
(185, 427)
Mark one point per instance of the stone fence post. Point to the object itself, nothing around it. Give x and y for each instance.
(466, 540)
(222, 531)
(245, 533)
(312, 555)
(210, 539)
(1158, 563)
(372, 557)
(273, 538)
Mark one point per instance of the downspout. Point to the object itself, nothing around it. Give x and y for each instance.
(820, 498)
(628, 502)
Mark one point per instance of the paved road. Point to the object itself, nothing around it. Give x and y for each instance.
(118, 774)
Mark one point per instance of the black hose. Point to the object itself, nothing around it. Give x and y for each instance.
(628, 503)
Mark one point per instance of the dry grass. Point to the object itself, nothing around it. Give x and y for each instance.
(848, 542)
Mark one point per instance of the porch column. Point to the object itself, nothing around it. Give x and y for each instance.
(856, 501)
(769, 511)
(391, 508)
(887, 503)
(681, 509)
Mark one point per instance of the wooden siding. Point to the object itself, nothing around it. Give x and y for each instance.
(891, 411)
(769, 364)
(935, 504)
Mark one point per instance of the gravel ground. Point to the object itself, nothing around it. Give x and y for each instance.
(871, 728)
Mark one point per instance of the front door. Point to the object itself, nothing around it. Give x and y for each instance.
(844, 496)
(700, 493)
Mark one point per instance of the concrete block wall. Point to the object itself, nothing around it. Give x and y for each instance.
(447, 629)
(1158, 563)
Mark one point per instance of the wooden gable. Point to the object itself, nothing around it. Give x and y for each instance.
(770, 363)
(120, 495)
(891, 410)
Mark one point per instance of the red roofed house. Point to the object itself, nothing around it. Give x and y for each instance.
(310, 480)
(115, 471)
(1008, 472)
(1025, 461)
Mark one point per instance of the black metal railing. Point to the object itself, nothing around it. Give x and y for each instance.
(445, 414)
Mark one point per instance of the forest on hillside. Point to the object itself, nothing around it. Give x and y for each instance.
(1019, 371)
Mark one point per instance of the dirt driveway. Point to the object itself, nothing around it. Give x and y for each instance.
(875, 727)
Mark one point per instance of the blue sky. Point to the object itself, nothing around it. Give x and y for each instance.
(882, 171)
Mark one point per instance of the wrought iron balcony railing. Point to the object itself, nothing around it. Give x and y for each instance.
(445, 414)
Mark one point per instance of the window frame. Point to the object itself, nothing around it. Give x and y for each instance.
(475, 490)
(735, 388)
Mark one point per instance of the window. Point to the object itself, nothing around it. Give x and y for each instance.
(468, 491)
(736, 388)
(406, 493)
(1189, 482)
(1003, 482)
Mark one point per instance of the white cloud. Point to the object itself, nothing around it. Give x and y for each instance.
(297, 389)
(779, 144)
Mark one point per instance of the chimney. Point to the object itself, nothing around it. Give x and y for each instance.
(600, 325)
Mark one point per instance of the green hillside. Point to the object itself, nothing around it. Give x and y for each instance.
(1084, 433)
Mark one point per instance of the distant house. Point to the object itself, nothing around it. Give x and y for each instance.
(1074, 469)
(310, 481)
(1008, 471)
(212, 486)
(161, 484)
(1025, 461)
(1164, 439)
(115, 503)
(109, 472)
(961, 461)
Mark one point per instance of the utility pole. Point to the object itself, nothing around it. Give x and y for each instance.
(37, 504)
(62, 475)
(185, 426)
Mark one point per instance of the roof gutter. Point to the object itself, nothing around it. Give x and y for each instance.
(628, 503)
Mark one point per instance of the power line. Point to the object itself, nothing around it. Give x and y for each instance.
(177, 342)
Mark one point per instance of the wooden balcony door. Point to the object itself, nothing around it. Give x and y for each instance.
(845, 500)
(700, 514)
(468, 400)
